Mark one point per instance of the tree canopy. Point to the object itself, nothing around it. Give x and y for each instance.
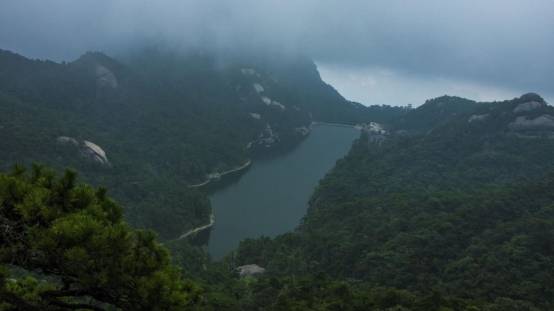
(64, 245)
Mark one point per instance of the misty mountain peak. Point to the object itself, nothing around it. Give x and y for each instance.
(93, 57)
(94, 60)
(528, 97)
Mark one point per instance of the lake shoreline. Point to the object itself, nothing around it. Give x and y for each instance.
(199, 229)
(218, 175)
(216, 179)
(272, 197)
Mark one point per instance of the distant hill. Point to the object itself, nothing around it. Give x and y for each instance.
(434, 112)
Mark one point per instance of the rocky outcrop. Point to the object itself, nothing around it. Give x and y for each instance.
(94, 152)
(529, 106)
(88, 149)
(544, 121)
(267, 137)
(105, 78)
(478, 117)
(65, 140)
(266, 100)
(269, 102)
(250, 270)
(258, 88)
(278, 105)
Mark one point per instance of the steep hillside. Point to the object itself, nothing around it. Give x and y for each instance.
(65, 246)
(464, 209)
(153, 123)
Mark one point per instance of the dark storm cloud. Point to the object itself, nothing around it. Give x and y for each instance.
(504, 42)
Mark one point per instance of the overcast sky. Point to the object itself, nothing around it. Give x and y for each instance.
(376, 52)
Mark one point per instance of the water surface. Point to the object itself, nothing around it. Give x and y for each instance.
(272, 196)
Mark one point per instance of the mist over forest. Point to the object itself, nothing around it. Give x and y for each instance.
(277, 155)
(505, 44)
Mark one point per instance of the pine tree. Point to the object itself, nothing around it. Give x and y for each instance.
(64, 245)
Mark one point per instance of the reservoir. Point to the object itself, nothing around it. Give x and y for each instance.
(272, 196)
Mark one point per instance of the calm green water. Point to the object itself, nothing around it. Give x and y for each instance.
(272, 196)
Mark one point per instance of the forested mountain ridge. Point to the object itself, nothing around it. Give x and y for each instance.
(433, 112)
(446, 109)
(450, 209)
(153, 122)
(463, 207)
(496, 142)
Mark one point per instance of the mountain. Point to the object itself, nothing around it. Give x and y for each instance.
(154, 122)
(433, 112)
(462, 208)
(444, 207)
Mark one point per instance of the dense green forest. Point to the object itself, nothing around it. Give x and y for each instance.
(464, 209)
(161, 120)
(64, 247)
(451, 209)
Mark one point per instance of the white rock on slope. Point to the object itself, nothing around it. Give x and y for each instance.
(258, 87)
(65, 140)
(528, 106)
(278, 104)
(541, 122)
(275, 103)
(105, 77)
(87, 148)
(477, 117)
(250, 270)
(95, 152)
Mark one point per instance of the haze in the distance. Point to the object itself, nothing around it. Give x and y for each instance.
(376, 52)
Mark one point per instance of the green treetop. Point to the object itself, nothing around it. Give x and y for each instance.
(64, 245)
